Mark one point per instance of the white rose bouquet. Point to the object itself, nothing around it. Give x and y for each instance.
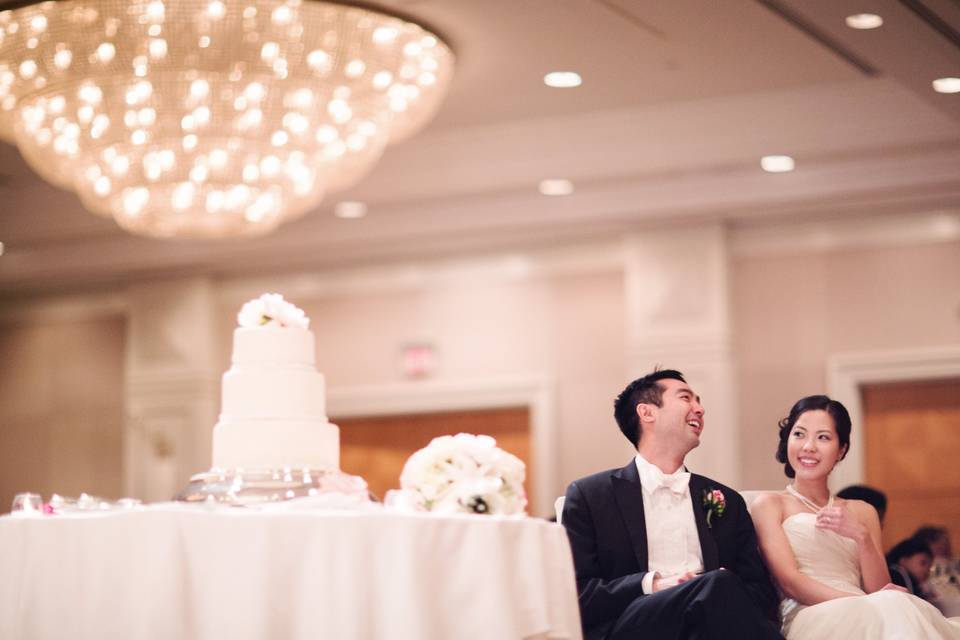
(272, 309)
(462, 474)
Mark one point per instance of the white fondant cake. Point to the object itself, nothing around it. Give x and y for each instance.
(273, 409)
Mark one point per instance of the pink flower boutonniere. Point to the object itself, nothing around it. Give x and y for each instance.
(715, 503)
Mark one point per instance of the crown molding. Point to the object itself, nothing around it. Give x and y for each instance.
(819, 236)
(75, 307)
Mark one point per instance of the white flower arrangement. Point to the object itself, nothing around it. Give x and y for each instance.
(272, 309)
(462, 474)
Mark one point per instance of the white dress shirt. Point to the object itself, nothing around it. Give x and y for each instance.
(673, 546)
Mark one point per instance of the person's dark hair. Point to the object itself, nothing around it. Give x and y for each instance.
(907, 548)
(874, 497)
(930, 534)
(642, 390)
(841, 421)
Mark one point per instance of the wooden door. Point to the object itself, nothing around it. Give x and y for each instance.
(912, 432)
(376, 447)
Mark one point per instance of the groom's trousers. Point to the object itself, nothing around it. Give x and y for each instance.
(714, 606)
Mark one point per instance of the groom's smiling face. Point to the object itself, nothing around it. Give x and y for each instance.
(678, 421)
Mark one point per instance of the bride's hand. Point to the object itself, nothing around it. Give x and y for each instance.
(841, 521)
(894, 587)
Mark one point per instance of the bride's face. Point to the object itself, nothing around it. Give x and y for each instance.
(813, 447)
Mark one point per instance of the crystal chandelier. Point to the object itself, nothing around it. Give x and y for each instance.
(211, 118)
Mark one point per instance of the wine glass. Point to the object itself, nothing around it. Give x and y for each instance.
(25, 504)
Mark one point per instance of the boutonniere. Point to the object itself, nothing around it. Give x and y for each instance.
(714, 503)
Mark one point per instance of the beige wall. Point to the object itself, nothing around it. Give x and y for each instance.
(61, 407)
(566, 328)
(61, 380)
(791, 312)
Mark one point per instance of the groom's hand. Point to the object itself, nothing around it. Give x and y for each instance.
(659, 584)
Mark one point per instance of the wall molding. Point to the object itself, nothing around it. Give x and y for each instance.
(847, 372)
(916, 227)
(418, 275)
(74, 307)
(537, 393)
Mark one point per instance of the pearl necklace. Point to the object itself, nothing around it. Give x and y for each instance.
(807, 502)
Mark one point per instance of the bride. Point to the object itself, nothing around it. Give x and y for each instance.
(824, 552)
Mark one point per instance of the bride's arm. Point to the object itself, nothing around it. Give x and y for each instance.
(859, 521)
(777, 553)
(873, 565)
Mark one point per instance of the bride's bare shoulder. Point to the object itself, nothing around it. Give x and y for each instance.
(768, 502)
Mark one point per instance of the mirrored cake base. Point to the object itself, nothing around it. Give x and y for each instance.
(246, 487)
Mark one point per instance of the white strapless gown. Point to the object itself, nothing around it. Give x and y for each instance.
(888, 615)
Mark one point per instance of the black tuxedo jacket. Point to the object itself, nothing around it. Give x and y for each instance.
(605, 521)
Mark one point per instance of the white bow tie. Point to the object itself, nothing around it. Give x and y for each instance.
(676, 482)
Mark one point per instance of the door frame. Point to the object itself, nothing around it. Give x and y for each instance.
(536, 393)
(847, 372)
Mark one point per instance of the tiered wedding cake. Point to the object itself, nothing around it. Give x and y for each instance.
(273, 410)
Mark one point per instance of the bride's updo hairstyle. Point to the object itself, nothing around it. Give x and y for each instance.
(841, 421)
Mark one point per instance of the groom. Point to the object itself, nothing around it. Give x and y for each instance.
(660, 552)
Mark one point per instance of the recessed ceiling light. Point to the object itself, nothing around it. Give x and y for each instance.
(864, 21)
(562, 79)
(946, 85)
(350, 209)
(556, 187)
(777, 164)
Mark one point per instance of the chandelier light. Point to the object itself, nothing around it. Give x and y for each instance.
(211, 118)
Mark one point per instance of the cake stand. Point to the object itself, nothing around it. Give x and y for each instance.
(250, 487)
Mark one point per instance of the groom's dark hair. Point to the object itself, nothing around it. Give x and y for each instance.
(645, 390)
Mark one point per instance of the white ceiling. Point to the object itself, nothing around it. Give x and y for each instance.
(679, 101)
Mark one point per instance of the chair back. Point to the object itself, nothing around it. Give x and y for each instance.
(749, 497)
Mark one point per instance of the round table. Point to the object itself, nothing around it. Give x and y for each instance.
(186, 571)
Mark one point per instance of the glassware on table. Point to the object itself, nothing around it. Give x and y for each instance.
(128, 503)
(86, 503)
(25, 504)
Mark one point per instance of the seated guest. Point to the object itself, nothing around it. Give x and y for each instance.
(909, 562)
(874, 497)
(944, 580)
(659, 552)
(938, 539)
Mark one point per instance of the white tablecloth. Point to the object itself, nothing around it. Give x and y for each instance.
(181, 572)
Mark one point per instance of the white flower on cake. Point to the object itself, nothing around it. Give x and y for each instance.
(272, 309)
(462, 474)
